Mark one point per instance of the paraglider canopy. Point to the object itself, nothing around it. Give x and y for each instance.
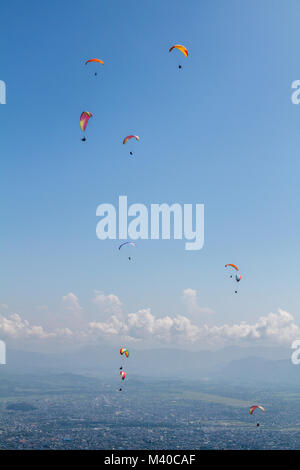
(180, 48)
(84, 119)
(130, 137)
(95, 60)
(232, 265)
(254, 407)
(124, 351)
(127, 243)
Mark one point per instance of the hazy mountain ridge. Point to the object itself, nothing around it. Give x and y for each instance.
(232, 363)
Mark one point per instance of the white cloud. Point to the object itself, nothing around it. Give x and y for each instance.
(189, 298)
(14, 327)
(108, 304)
(147, 329)
(145, 325)
(112, 327)
(71, 303)
(275, 328)
(72, 312)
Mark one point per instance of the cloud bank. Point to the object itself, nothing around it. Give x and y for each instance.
(144, 328)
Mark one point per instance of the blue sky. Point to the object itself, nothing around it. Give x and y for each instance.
(222, 131)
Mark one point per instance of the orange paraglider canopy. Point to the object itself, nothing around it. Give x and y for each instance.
(232, 265)
(180, 48)
(95, 60)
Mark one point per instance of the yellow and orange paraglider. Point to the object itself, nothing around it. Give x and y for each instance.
(180, 48)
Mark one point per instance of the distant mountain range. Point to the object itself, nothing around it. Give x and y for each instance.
(229, 364)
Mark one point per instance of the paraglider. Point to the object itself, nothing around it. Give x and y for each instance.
(84, 119)
(182, 49)
(238, 278)
(123, 375)
(95, 60)
(233, 266)
(124, 351)
(253, 408)
(127, 243)
(128, 137)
